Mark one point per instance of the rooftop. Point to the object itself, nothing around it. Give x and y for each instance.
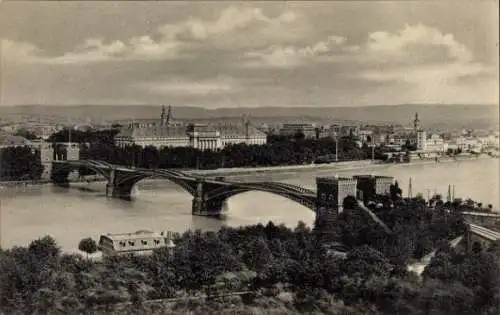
(134, 235)
(153, 131)
(333, 178)
(372, 176)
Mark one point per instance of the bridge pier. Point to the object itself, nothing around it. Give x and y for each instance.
(203, 207)
(60, 179)
(115, 190)
(120, 192)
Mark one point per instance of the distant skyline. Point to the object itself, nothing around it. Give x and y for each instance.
(249, 54)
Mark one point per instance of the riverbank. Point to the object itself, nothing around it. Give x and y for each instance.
(45, 182)
(339, 166)
(237, 171)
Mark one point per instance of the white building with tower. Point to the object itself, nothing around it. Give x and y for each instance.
(168, 133)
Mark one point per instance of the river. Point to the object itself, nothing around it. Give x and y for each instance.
(27, 213)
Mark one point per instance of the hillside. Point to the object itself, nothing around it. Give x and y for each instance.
(432, 116)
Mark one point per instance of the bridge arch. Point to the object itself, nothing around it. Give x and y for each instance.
(294, 193)
(61, 169)
(125, 182)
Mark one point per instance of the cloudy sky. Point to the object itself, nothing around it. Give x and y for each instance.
(231, 54)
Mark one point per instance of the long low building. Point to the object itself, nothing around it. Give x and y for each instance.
(166, 133)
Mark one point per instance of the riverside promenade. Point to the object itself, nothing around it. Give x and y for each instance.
(339, 166)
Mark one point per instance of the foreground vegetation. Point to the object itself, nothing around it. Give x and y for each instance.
(294, 273)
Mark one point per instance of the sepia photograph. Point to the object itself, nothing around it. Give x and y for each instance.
(250, 157)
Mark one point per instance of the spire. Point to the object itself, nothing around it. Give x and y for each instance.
(410, 193)
(162, 117)
(416, 122)
(169, 115)
(245, 125)
(448, 198)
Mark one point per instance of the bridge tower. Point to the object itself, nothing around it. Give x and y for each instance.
(331, 192)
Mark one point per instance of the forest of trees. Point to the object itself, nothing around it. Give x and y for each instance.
(372, 279)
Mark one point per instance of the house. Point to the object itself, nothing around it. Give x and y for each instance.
(142, 241)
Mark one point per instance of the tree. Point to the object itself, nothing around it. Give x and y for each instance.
(395, 191)
(299, 135)
(44, 248)
(87, 245)
(365, 261)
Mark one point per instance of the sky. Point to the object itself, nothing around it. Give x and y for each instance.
(249, 54)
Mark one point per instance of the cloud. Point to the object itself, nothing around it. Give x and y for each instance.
(290, 56)
(17, 51)
(230, 19)
(172, 43)
(417, 42)
(182, 87)
(436, 73)
(94, 50)
(418, 55)
(275, 55)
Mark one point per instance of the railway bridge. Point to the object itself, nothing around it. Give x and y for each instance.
(209, 194)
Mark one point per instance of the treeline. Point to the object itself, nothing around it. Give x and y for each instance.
(278, 151)
(92, 136)
(372, 279)
(20, 163)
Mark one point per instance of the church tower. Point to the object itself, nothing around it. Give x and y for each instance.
(246, 124)
(162, 117)
(169, 115)
(416, 123)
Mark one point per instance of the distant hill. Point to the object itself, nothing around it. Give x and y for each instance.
(432, 116)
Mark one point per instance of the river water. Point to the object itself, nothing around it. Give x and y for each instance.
(27, 213)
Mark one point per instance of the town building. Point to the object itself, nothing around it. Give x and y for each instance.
(434, 143)
(425, 143)
(168, 133)
(366, 136)
(143, 241)
(290, 129)
(403, 137)
(421, 140)
(241, 133)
